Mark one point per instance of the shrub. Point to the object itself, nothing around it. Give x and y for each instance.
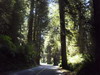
(14, 57)
(87, 67)
(26, 54)
(7, 52)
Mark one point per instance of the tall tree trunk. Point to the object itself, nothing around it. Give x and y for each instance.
(81, 29)
(15, 25)
(35, 23)
(30, 22)
(96, 24)
(63, 36)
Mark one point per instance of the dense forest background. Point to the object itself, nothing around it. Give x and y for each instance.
(58, 32)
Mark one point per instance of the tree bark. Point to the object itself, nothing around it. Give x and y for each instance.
(63, 36)
(96, 6)
(30, 23)
(15, 24)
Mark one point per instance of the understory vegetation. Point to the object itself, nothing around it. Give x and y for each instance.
(15, 57)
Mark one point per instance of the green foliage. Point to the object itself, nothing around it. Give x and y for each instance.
(7, 52)
(12, 14)
(26, 54)
(16, 56)
(84, 67)
(87, 67)
(7, 41)
(6, 8)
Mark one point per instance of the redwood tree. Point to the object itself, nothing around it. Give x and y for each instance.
(63, 35)
(30, 22)
(96, 6)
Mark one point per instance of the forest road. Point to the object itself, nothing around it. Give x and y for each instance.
(42, 70)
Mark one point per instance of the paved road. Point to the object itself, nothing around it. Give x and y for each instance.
(40, 70)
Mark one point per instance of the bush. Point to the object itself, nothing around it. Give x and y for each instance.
(87, 67)
(26, 53)
(7, 52)
(14, 57)
(7, 48)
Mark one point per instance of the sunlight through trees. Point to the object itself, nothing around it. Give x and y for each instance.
(57, 32)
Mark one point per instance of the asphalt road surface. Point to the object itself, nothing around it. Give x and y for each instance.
(41, 70)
